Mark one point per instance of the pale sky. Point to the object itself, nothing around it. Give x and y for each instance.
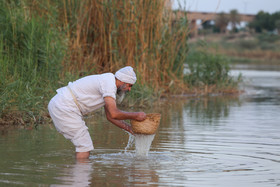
(243, 6)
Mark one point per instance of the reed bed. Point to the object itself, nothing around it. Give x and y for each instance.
(141, 33)
(30, 55)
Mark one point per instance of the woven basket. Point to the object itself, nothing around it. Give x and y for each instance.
(148, 126)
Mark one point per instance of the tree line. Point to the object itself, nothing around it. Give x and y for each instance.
(266, 22)
(263, 22)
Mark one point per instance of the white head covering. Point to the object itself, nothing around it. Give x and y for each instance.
(126, 75)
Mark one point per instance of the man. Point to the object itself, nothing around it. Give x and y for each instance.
(85, 95)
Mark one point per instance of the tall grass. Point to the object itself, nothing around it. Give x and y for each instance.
(107, 35)
(31, 52)
(111, 34)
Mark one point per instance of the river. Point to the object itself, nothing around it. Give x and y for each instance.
(206, 141)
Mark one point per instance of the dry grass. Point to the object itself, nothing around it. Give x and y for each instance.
(113, 34)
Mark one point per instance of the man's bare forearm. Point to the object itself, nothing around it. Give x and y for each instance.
(115, 113)
(121, 115)
(121, 124)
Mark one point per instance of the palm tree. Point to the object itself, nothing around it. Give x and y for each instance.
(234, 18)
(222, 21)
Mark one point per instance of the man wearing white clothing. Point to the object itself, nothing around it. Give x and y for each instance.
(85, 95)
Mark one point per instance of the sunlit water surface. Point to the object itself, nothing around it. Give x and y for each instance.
(215, 141)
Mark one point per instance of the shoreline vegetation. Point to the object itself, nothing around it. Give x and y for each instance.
(242, 47)
(44, 44)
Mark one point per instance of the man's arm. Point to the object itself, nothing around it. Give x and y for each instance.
(115, 113)
(120, 123)
(115, 116)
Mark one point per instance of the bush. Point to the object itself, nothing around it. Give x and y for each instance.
(206, 69)
(248, 44)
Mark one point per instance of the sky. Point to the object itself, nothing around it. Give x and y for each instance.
(242, 6)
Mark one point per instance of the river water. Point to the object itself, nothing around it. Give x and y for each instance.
(214, 141)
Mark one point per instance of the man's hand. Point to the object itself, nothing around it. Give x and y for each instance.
(117, 116)
(129, 129)
(141, 116)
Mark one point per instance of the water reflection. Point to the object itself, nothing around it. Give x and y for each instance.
(208, 110)
(141, 173)
(122, 169)
(76, 175)
(204, 110)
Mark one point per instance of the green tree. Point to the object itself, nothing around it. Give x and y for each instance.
(263, 22)
(276, 20)
(234, 18)
(222, 21)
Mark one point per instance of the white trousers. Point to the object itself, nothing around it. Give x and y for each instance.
(68, 121)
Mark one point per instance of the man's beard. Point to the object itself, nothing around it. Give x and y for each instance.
(120, 95)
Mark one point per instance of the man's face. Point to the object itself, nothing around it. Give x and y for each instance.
(122, 90)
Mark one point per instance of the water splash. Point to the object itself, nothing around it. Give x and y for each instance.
(143, 144)
(129, 143)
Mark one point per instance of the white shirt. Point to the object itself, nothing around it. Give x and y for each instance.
(91, 90)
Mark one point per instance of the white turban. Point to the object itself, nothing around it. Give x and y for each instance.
(126, 75)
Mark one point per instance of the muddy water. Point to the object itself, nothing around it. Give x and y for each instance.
(215, 141)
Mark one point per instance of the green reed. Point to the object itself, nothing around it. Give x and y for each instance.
(31, 52)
